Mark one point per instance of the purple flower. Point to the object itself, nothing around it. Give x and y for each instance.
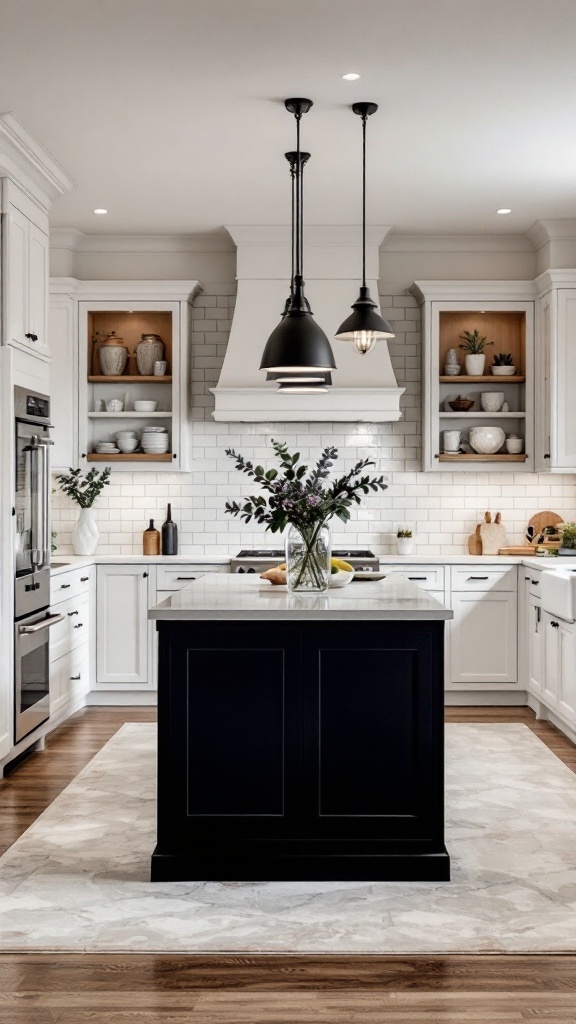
(312, 499)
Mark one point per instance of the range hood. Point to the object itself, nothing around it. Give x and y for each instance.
(364, 388)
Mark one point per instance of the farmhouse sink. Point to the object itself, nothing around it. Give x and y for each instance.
(558, 593)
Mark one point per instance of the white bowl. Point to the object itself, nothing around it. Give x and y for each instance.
(145, 406)
(514, 445)
(492, 401)
(486, 440)
(503, 371)
(114, 405)
(341, 579)
(128, 446)
(126, 435)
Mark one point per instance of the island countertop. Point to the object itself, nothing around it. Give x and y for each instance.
(230, 596)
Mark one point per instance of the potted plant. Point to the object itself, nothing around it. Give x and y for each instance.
(404, 542)
(474, 345)
(503, 365)
(303, 502)
(84, 491)
(567, 532)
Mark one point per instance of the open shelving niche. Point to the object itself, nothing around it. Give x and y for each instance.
(510, 325)
(131, 386)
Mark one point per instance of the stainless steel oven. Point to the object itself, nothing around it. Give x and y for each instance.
(32, 671)
(32, 560)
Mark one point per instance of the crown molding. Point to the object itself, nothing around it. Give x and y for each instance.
(80, 241)
(320, 235)
(125, 290)
(544, 231)
(398, 243)
(456, 291)
(22, 155)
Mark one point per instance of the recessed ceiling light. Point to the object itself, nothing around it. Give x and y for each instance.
(504, 210)
(351, 77)
(100, 211)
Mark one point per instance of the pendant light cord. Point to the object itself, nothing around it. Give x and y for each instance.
(298, 117)
(364, 120)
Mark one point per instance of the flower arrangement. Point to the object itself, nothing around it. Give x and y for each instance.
(83, 491)
(303, 499)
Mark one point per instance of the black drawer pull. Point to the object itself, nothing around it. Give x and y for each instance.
(477, 578)
(78, 625)
(65, 586)
(73, 613)
(417, 577)
(84, 579)
(79, 676)
(535, 582)
(185, 578)
(526, 578)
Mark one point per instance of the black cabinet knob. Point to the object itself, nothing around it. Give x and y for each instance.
(32, 337)
(145, 574)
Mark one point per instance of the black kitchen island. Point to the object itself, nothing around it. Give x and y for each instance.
(300, 737)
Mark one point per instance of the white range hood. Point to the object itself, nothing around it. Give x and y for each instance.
(364, 387)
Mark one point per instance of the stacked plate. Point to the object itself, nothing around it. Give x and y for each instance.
(106, 448)
(155, 440)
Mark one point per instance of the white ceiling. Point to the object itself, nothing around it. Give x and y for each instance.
(170, 112)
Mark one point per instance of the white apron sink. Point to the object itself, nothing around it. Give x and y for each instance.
(558, 593)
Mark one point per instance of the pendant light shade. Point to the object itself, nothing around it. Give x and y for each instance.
(297, 345)
(364, 327)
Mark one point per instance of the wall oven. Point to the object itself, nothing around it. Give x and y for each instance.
(32, 562)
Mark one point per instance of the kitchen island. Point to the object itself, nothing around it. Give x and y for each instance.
(300, 736)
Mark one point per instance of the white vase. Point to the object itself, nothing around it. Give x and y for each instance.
(475, 365)
(405, 545)
(85, 533)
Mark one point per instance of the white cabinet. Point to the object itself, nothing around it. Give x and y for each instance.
(559, 689)
(503, 313)
(535, 645)
(70, 594)
(556, 373)
(483, 638)
(63, 377)
(25, 248)
(122, 629)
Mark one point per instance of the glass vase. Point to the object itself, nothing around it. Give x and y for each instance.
(308, 559)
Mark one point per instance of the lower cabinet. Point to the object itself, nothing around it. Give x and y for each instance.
(123, 636)
(559, 685)
(69, 678)
(69, 640)
(535, 639)
(483, 638)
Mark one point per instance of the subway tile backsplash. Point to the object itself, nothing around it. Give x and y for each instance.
(442, 508)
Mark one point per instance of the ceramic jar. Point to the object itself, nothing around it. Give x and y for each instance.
(149, 350)
(85, 533)
(475, 364)
(514, 444)
(113, 356)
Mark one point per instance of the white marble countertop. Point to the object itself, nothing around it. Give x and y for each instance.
(227, 596)
(67, 562)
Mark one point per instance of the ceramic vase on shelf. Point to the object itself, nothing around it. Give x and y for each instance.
(149, 350)
(113, 356)
(308, 564)
(404, 545)
(85, 533)
(475, 364)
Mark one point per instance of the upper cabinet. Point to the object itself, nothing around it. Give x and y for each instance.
(125, 385)
(462, 397)
(25, 272)
(556, 372)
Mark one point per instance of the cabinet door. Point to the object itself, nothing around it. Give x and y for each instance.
(564, 415)
(63, 386)
(535, 640)
(567, 694)
(16, 226)
(483, 638)
(38, 249)
(551, 681)
(122, 625)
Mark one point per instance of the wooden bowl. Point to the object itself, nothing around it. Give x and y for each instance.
(461, 404)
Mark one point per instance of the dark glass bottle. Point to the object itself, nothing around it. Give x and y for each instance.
(169, 535)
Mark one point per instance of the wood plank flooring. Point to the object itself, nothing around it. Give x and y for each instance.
(137, 989)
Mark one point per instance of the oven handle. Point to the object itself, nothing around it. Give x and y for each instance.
(45, 624)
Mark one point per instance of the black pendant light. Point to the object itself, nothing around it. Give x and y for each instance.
(298, 346)
(364, 327)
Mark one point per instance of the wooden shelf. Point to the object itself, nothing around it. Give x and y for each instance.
(486, 379)
(130, 415)
(482, 415)
(135, 457)
(93, 379)
(464, 457)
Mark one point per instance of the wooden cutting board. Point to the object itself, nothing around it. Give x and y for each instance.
(493, 535)
(541, 520)
(475, 542)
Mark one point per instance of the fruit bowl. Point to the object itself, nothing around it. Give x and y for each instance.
(341, 574)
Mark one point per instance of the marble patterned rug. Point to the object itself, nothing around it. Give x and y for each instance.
(77, 880)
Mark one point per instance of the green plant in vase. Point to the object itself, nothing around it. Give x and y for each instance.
(473, 343)
(305, 502)
(84, 491)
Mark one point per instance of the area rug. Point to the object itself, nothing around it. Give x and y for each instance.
(77, 880)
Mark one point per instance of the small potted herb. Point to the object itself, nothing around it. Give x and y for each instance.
(567, 532)
(503, 365)
(404, 542)
(474, 344)
(84, 491)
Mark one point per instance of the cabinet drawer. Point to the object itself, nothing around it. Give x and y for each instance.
(74, 630)
(69, 584)
(179, 577)
(69, 678)
(484, 578)
(531, 577)
(427, 577)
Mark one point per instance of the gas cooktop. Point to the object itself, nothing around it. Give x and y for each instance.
(279, 553)
(255, 560)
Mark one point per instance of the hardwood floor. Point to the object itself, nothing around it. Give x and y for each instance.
(136, 989)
